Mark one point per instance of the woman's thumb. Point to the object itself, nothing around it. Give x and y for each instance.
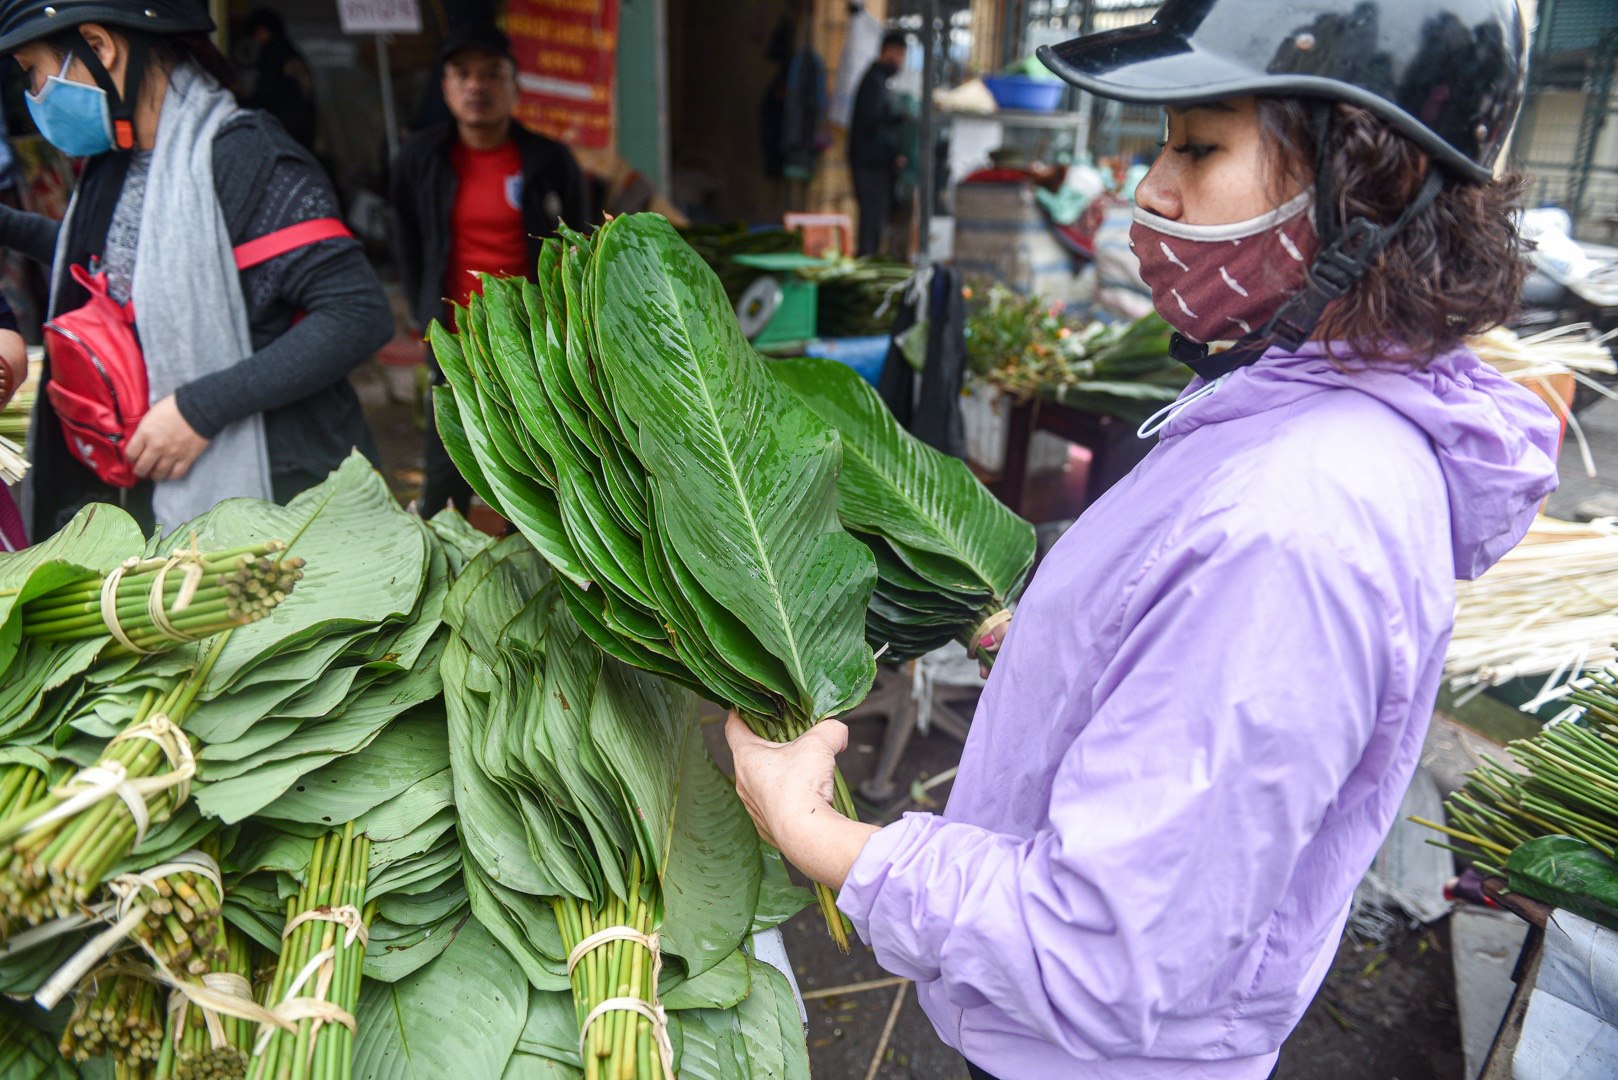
(832, 734)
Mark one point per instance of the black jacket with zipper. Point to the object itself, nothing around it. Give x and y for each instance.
(423, 191)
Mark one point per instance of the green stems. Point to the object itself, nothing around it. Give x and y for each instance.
(331, 969)
(620, 1044)
(120, 1015)
(50, 868)
(1569, 786)
(231, 588)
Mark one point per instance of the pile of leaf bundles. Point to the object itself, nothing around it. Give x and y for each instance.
(603, 848)
(62, 599)
(614, 412)
(1567, 786)
(950, 556)
(62, 846)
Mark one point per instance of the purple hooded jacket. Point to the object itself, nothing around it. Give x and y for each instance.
(1202, 722)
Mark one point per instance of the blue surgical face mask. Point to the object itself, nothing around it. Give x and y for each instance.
(74, 117)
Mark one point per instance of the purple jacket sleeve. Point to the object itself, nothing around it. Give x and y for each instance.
(1240, 698)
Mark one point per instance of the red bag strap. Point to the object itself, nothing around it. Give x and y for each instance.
(288, 239)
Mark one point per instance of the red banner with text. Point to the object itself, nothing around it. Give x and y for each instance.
(565, 52)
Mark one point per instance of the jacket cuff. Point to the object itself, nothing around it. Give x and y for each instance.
(873, 897)
(194, 412)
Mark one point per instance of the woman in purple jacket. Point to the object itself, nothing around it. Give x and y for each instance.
(1216, 688)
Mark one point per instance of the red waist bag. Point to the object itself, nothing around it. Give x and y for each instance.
(97, 383)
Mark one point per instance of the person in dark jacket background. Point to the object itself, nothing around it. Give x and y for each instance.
(873, 144)
(474, 195)
(283, 85)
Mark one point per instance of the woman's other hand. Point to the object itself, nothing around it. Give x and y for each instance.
(164, 445)
(990, 643)
(787, 788)
(14, 358)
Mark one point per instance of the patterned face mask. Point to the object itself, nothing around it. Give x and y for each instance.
(1218, 282)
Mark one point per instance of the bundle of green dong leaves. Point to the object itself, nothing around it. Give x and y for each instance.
(688, 495)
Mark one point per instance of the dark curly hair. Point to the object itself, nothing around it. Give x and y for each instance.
(1453, 272)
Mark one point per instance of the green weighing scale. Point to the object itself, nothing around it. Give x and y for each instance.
(781, 305)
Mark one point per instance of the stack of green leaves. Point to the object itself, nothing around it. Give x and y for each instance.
(587, 802)
(471, 1013)
(615, 413)
(949, 555)
(1566, 785)
(398, 794)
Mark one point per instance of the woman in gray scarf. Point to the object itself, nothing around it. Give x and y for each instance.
(247, 369)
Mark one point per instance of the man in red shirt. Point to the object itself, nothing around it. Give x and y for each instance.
(475, 196)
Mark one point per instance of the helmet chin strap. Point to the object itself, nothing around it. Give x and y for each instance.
(1344, 258)
(120, 106)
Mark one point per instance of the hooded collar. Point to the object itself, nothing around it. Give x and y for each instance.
(1495, 441)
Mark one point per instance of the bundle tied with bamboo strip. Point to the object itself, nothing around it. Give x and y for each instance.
(613, 963)
(183, 898)
(150, 605)
(203, 1042)
(117, 1013)
(317, 980)
(61, 848)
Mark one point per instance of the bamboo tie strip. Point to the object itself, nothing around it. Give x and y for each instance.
(321, 967)
(94, 783)
(652, 1011)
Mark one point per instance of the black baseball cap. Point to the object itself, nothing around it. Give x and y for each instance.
(484, 39)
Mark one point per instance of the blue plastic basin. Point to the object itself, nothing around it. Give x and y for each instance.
(1023, 92)
(864, 354)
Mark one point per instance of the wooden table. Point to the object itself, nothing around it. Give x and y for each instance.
(1114, 448)
(1497, 1066)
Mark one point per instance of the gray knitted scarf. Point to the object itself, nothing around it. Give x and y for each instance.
(188, 299)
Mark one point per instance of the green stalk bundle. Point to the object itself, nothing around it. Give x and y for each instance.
(224, 589)
(620, 1045)
(182, 928)
(192, 1054)
(1569, 786)
(119, 1014)
(319, 1049)
(49, 870)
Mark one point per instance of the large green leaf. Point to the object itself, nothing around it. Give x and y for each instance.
(1568, 873)
(693, 828)
(746, 472)
(460, 1015)
(899, 488)
(367, 558)
(761, 1039)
